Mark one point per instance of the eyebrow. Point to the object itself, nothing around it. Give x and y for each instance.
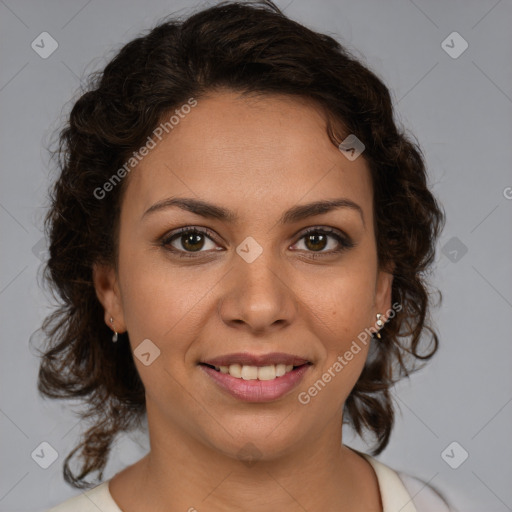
(294, 214)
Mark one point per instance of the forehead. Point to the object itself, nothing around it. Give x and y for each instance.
(235, 150)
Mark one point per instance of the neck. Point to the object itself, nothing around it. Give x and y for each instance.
(183, 473)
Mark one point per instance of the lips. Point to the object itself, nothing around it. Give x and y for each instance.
(250, 386)
(256, 377)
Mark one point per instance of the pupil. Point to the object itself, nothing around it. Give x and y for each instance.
(316, 237)
(191, 240)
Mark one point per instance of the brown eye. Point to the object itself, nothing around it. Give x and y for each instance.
(187, 240)
(316, 240)
(192, 241)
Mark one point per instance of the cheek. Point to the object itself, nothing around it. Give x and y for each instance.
(152, 300)
(161, 306)
(167, 305)
(346, 304)
(343, 310)
(345, 344)
(156, 303)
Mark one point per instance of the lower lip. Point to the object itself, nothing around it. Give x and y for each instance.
(257, 390)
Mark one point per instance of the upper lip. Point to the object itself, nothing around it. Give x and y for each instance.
(243, 358)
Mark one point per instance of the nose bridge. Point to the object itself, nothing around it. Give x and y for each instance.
(257, 293)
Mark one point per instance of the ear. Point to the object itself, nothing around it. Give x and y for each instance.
(107, 290)
(383, 290)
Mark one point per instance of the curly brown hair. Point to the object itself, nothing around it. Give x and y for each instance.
(250, 47)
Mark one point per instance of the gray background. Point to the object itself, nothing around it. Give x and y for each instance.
(460, 111)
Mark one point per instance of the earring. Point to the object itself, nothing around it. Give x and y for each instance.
(380, 323)
(114, 336)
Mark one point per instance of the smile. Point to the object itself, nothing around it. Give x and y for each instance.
(252, 383)
(247, 372)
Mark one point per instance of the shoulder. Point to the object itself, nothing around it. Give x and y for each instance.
(401, 491)
(424, 497)
(95, 499)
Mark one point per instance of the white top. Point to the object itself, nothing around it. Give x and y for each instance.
(399, 493)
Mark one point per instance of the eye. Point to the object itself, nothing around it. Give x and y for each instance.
(317, 239)
(187, 241)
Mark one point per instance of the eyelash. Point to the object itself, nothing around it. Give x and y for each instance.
(345, 242)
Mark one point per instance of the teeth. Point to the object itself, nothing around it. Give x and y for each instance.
(281, 370)
(247, 372)
(267, 372)
(235, 370)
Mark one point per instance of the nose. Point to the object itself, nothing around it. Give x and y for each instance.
(259, 296)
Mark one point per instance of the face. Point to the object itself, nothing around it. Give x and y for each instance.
(243, 276)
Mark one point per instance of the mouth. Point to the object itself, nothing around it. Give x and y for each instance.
(250, 372)
(254, 378)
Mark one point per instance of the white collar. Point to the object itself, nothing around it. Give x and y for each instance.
(393, 493)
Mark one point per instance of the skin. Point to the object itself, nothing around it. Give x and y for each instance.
(257, 156)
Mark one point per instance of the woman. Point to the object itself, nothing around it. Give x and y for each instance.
(238, 234)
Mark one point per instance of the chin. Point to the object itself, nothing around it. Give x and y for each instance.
(255, 441)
